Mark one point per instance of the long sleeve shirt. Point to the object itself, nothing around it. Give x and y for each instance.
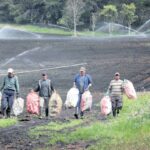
(11, 83)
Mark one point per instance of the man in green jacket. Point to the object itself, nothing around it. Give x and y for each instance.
(10, 88)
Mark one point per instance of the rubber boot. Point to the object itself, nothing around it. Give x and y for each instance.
(114, 113)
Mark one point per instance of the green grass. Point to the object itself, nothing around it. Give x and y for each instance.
(52, 127)
(38, 29)
(7, 122)
(57, 31)
(129, 131)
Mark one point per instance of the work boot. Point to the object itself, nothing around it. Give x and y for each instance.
(76, 116)
(8, 112)
(117, 111)
(114, 113)
(46, 112)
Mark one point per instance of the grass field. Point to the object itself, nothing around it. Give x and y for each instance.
(129, 131)
(56, 30)
(38, 29)
(7, 122)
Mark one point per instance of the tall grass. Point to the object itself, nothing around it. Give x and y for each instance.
(130, 130)
(133, 124)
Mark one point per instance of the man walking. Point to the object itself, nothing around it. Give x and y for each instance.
(45, 89)
(82, 81)
(116, 91)
(10, 88)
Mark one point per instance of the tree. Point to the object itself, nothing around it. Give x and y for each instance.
(53, 10)
(128, 14)
(94, 20)
(109, 13)
(5, 11)
(89, 15)
(28, 11)
(72, 13)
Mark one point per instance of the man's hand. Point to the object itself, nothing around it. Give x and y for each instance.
(17, 95)
(74, 85)
(87, 89)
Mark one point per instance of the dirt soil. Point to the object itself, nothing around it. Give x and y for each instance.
(128, 55)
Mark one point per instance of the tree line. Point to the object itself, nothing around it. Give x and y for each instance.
(75, 13)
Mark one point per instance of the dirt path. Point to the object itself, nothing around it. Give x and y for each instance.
(17, 138)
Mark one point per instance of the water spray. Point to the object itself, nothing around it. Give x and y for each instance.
(49, 68)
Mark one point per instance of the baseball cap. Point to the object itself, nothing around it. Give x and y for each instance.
(44, 74)
(10, 70)
(82, 69)
(117, 74)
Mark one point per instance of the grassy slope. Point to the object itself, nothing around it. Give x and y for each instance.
(38, 29)
(131, 130)
(55, 31)
(7, 122)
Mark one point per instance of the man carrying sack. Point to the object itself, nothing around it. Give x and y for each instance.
(82, 81)
(10, 88)
(45, 89)
(115, 90)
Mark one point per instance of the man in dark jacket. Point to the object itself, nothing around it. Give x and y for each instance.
(10, 88)
(45, 89)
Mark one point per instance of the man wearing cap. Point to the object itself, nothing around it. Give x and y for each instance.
(82, 81)
(10, 88)
(115, 90)
(45, 89)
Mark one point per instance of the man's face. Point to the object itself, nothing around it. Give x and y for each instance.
(44, 77)
(82, 73)
(117, 77)
(10, 74)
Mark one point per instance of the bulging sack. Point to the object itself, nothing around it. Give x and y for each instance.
(42, 102)
(32, 103)
(105, 105)
(0, 100)
(55, 104)
(129, 89)
(86, 101)
(72, 98)
(18, 106)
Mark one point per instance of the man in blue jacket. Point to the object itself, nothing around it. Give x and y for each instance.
(10, 88)
(82, 81)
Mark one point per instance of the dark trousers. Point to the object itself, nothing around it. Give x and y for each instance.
(7, 102)
(46, 107)
(116, 104)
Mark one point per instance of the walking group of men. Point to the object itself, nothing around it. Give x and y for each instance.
(82, 81)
